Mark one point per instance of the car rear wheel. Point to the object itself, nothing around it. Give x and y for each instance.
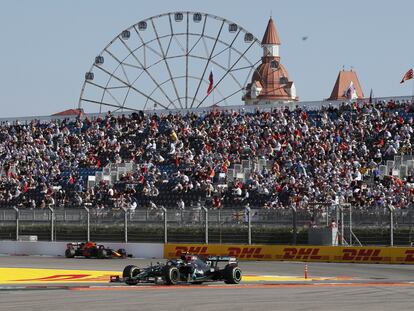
(172, 275)
(70, 253)
(232, 275)
(102, 253)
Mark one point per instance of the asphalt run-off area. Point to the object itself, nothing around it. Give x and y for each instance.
(50, 283)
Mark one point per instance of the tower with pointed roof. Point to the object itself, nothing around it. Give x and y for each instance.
(343, 82)
(270, 81)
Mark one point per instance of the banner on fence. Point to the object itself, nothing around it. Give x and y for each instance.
(395, 255)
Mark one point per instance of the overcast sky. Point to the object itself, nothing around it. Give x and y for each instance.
(48, 45)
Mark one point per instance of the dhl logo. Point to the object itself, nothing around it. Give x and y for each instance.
(199, 250)
(246, 252)
(239, 252)
(362, 254)
(409, 255)
(301, 253)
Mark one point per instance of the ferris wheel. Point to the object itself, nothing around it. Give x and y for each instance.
(177, 60)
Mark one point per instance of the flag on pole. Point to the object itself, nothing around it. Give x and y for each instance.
(370, 97)
(211, 82)
(408, 75)
(350, 92)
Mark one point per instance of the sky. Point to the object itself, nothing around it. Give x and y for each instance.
(48, 45)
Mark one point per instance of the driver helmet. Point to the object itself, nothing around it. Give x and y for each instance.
(186, 257)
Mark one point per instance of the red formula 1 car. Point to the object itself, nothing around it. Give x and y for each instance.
(93, 250)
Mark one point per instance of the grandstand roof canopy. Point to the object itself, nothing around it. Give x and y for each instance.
(69, 112)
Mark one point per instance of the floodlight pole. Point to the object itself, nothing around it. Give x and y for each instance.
(294, 225)
(17, 222)
(391, 209)
(88, 224)
(249, 225)
(206, 224)
(165, 225)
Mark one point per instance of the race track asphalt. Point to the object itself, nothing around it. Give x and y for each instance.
(353, 286)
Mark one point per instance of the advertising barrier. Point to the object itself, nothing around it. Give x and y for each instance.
(395, 255)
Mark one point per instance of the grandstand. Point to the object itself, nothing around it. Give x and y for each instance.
(359, 153)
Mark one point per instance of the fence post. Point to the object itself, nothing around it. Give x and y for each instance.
(52, 223)
(249, 225)
(219, 221)
(17, 222)
(342, 226)
(206, 224)
(350, 225)
(88, 224)
(294, 225)
(125, 224)
(391, 209)
(165, 225)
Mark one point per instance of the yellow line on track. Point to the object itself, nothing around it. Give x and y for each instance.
(36, 276)
(61, 276)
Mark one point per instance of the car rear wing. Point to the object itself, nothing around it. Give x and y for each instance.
(228, 259)
(73, 244)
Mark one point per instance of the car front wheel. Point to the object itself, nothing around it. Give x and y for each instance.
(172, 275)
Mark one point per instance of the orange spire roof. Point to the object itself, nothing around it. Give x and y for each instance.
(270, 36)
(342, 83)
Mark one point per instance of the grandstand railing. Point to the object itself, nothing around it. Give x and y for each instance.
(275, 226)
(308, 105)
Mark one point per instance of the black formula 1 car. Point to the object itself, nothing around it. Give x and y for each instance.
(93, 250)
(188, 269)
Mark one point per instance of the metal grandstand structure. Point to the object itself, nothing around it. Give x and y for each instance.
(164, 62)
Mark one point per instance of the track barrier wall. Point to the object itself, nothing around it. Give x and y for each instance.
(388, 255)
(138, 250)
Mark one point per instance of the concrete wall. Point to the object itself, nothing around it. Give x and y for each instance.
(138, 250)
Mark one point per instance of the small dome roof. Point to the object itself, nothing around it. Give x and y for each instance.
(274, 81)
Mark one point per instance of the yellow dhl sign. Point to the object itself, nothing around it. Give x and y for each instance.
(395, 255)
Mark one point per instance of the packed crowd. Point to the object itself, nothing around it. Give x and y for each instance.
(329, 155)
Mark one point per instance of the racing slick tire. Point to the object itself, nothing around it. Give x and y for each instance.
(102, 253)
(130, 272)
(70, 253)
(172, 275)
(232, 274)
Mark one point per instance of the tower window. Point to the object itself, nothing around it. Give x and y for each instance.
(283, 80)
